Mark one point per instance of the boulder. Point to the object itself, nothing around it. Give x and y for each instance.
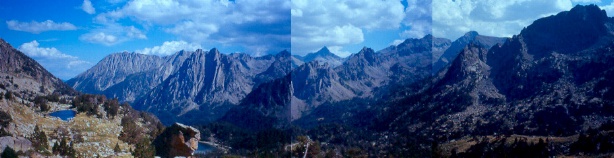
(17, 143)
(177, 140)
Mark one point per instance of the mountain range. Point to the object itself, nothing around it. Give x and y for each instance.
(552, 79)
(548, 80)
(186, 85)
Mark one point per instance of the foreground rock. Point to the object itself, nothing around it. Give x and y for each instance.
(17, 143)
(177, 140)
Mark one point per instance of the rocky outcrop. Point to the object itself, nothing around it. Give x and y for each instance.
(457, 46)
(554, 78)
(183, 86)
(17, 143)
(20, 73)
(122, 75)
(177, 140)
(268, 106)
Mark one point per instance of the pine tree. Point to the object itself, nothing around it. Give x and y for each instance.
(72, 153)
(8, 95)
(55, 148)
(63, 149)
(9, 153)
(117, 149)
(40, 139)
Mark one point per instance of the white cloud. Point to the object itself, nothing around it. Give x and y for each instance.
(396, 42)
(418, 18)
(100, 37)
(337, 51)
(31, 49)
(418, 29)
(88, 7)
(609, 9)
(111, 34)
(38, 27)
(451, 19)
(169, 47)
(59, 64)
(213, 21)
(316, 23)
(133, 32)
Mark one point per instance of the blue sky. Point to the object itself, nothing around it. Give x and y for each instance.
(68, 37)
(345, 26)
(452, 18)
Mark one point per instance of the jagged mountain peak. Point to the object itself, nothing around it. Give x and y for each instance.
(323, 51)
(413, 45)
(568, 31)
(455, 47)
(591, 10)
(197, 51)
(471, 34)
(322, 55)
(365, 56)
(428, 36)
(366, 50)
(214, 50)
(467, 59)
(284, 53)
(123, 54)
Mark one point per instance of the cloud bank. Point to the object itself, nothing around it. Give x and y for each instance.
(61, 65)
(259, 25)
(36, 27)
(335, 23)
(88, 7)
(169, 47)
(451, 19)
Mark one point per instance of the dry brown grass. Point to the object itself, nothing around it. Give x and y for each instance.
(100, 134)
(463, 144)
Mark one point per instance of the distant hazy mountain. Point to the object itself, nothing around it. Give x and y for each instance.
(440, 45)
(455, 47)
(362, 75)
(21, 74)
(323, 56)
(201, 86)
(125, 76)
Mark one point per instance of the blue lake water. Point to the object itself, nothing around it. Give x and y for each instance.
(64, 114)
(204, 148)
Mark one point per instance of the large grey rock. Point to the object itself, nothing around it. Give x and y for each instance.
(177, 140)
(17, 143)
